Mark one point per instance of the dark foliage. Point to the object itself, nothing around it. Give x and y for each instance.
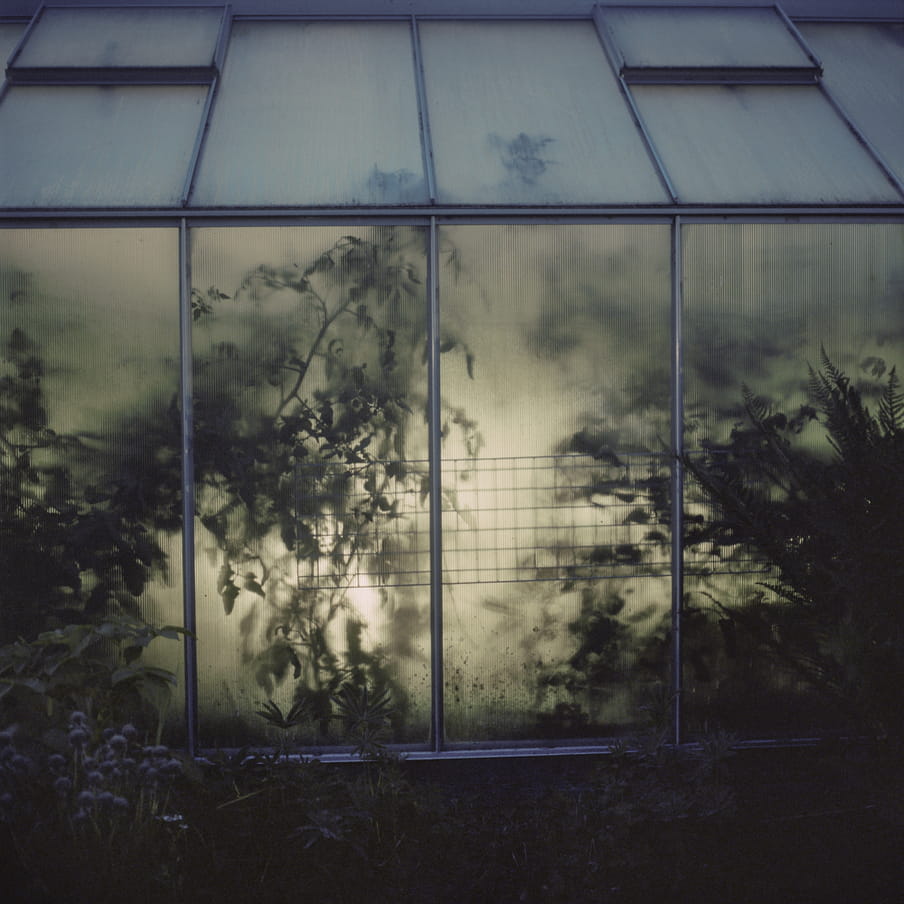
(76, 524)
(827, 521)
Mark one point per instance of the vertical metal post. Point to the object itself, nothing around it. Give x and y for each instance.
(434, 427)
(188, 494)
(677, 477)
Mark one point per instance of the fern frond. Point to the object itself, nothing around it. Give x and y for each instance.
(757, 407)
(891, 406)
(850, 427)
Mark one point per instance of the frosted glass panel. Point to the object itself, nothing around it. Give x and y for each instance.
(864, 71)
(555, 564)
(9, 37)
(97, 146)
(90, 473)
(123, 37)
(317, 113)
(703, 37)
(312, 556)
(761, 301)
(530, 113)
(758, 145)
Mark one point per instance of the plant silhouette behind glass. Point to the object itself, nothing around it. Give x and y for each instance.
(830, 527)
(76, 525)
(305, 450)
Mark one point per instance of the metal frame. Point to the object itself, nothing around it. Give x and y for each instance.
(189, 607)
(431, 216)
(437, 747)
(434, 427)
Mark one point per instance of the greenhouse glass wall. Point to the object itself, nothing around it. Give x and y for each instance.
(375, 343)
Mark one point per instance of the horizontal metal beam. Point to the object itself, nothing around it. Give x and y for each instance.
(110, 75)
(862, 9)
(721, 75)
(422, 215)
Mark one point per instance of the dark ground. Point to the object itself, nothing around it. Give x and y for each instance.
(808, 825)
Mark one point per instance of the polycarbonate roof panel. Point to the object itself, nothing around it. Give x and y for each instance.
(122, 37)
(757, 144)
(703, 37)
(530, 113)
(864, 72)
(316, 113)
(10, 32)
(90, 146)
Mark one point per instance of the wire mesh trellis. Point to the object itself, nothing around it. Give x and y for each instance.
(522, 518)
(362, 525)
(554, 517)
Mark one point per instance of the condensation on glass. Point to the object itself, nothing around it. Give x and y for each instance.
(89, 351)
(753, 144)
(698, 37)
(864, 71)
(123, 146)
(312, 556)
(555, 388)
(761, 303)
(530, 113)
(102, 37)
(315, 113)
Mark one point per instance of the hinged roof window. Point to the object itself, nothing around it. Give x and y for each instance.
(150, 45)
(707, 45)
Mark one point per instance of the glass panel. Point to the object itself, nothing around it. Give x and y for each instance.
(9, 37)
(312, 554)
(758, 145)
(703, 37)
(864, 71)
(555, 385)
(761, 301)
(123, 146)
(123, 37)
(90, 473)
(315, 113)
(530, 113)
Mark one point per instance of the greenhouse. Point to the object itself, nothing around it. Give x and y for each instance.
(377, 343)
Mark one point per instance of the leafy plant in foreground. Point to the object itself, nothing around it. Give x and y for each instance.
(829, 524)
(95, 668)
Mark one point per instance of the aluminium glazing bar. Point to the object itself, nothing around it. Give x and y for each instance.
(434, 432)
(867, 144)
(25, 35)
(188, 495)
(798, 37)
(201, 135)
(613, 55)
(423, 113)
(677, 477)
(204, 128)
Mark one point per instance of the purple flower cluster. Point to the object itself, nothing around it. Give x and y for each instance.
(15, 768)
(98, 779)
